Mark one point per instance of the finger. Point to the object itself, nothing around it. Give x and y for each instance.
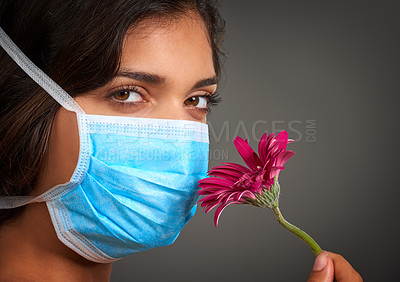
(344, 272)
(323, 270)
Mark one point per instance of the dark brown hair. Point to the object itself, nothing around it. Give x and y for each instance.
(78, 43)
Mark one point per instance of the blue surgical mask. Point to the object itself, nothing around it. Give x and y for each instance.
(135, 184)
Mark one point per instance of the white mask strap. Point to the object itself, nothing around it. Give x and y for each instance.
(51, 87)
(59, 94)
(10, 202)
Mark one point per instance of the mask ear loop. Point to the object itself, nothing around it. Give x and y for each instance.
(53, 89)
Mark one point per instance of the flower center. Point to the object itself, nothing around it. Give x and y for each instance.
(250, 181)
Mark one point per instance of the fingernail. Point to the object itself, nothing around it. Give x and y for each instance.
(320, 261)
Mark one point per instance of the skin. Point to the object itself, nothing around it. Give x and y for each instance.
(333, 267)
(176, 52)
(174, 60)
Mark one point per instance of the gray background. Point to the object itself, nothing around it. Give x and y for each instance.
(328, 72)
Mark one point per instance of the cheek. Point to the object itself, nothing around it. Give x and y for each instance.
(63, 152)
(197, 115)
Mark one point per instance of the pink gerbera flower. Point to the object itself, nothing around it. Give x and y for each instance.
(255, 184)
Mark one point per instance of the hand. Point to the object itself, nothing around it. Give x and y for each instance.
(329, 267)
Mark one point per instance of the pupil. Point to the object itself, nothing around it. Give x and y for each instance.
(192, 101)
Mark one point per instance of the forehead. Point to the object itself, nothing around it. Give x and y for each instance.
(163, 43)
(168, 22)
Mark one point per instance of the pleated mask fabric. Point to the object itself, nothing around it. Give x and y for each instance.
(135, 184)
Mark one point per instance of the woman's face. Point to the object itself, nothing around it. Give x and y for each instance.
(166, 72)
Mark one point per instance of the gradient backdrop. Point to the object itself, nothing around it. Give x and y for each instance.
(328, 73)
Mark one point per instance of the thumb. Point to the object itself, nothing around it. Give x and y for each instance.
(323, 270)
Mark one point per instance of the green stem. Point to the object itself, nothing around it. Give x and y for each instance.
(297, 231)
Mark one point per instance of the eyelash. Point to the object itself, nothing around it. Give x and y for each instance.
(120, 89)
(213, 99)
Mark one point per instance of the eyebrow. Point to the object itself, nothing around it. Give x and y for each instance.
(206, 82)
(157, 80)
(143, 76)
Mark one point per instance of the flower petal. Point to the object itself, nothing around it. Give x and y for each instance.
(246, 152)
(211, 186)
(216, 181)
(213, 190)
(210, 207)
(267, 147)
(224, 176)
(262, 146)
(219, 210)
(284, 157)
(217, 171)
(274, 172)
(257, 160)
(238, 167)
(246, 193)
(282, 139)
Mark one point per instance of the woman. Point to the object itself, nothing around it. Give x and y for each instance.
(105, 174)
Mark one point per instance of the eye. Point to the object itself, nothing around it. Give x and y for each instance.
(197, 101)
(127, 96)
